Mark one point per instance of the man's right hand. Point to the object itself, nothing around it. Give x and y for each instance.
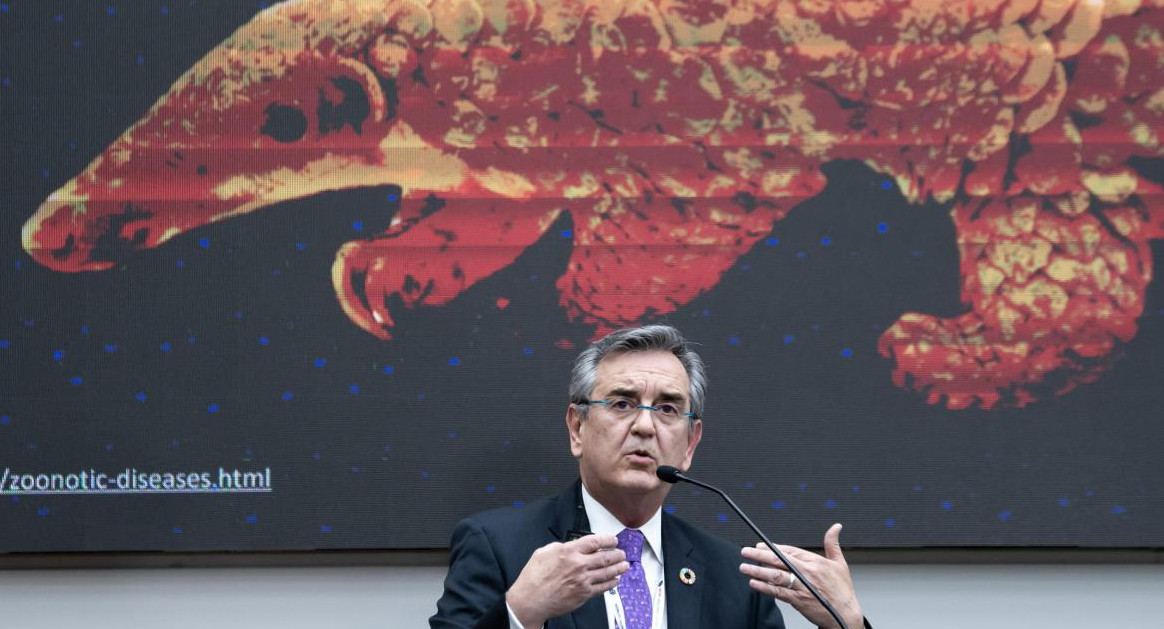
(560, 577)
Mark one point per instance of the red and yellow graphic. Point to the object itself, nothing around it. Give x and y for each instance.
(677, 133)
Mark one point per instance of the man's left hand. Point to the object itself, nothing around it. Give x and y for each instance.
(830, 575)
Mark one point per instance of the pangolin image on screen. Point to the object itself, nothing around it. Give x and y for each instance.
(676, 134)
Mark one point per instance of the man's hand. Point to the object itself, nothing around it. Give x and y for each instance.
(560, 577)
(830, 575)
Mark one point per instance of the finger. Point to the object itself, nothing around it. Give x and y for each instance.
(594, 543)
(603, 559)
(799, 554)
(603, 575)
(775, 591)
(766, 557)
(775, 576)
(762, 556)
(832, 544)
(603, 586)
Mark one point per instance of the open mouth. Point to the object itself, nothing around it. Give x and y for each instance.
(640, 457)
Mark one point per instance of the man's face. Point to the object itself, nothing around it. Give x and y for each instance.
(619, 456)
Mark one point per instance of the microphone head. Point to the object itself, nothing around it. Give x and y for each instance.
(668, 474)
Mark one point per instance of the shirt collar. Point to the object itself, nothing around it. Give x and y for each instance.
(603, 522)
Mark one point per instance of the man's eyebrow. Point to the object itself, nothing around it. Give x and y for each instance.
(665, 396)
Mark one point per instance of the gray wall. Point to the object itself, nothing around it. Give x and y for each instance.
(894, 596)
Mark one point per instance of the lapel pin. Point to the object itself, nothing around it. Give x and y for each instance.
(687, 576)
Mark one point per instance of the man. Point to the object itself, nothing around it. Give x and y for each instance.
(602, 554)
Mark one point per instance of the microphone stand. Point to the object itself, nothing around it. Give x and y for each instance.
(677, 475)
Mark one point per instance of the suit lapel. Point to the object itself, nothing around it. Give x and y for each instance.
(592, 614)
(569, 514)
(683, 600)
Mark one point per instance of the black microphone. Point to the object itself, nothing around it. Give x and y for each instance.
(672, 475)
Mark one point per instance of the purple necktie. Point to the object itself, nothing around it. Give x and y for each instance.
(632, 585)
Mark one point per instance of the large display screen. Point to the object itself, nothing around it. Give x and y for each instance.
(312, 275)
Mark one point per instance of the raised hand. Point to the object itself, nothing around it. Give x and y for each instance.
(829, 573)
(560, 577)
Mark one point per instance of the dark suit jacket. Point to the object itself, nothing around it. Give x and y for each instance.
(490, 549)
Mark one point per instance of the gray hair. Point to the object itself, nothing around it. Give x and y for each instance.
(644, 339)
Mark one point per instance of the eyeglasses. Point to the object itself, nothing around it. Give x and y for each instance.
(625, 408)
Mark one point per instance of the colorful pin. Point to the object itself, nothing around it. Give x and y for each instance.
(687, 576)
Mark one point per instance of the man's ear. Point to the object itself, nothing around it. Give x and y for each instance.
(693, 437)
(574, 423)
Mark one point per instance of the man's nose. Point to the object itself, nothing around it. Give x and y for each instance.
(644, 422)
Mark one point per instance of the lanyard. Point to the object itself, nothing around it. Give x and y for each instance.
(658, 608)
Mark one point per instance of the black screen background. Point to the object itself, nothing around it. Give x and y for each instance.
(464, 409)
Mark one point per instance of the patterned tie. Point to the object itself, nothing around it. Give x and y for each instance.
(632, 585)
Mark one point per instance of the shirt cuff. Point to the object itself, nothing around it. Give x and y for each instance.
(514, 623)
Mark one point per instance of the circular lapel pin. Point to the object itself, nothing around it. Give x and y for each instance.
(687, 576)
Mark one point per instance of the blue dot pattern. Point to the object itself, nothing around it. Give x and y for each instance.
(632, 585)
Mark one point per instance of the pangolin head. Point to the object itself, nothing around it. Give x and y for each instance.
(288, 106)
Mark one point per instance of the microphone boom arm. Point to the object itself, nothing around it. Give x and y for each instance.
(672, 474)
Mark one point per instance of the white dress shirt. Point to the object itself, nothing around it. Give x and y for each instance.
(603, 522)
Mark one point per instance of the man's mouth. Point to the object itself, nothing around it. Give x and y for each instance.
(641, 457)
